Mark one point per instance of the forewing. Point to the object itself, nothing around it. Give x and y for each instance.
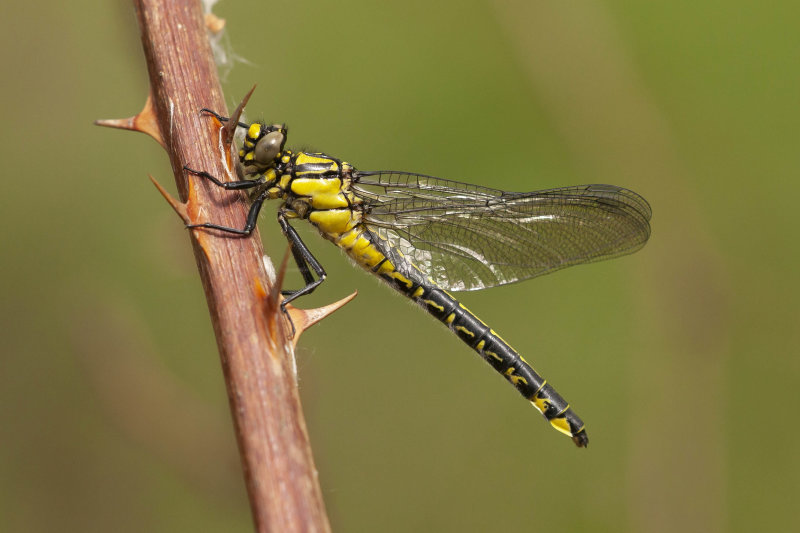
(468, 237)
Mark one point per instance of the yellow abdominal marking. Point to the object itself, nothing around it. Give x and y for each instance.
(494, 355)
(514, 378)
(386, 267)
(540, 403)
(347, 240)
(361, 245)
(561, 425)
(364, 253)
(433, 304)
(402, 279)
(465, 330)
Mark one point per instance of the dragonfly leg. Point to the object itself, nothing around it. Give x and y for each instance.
(221, 118)
(304, 259)
(302, 265)
(228, 185)
(306, 262)
(255, 207)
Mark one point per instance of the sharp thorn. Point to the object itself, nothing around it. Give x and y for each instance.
(305, 318)
(230, 126)
(276, 289)
(179, 207)
(145, 122)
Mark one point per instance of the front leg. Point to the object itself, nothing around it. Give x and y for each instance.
(223, 119)
(228, 185)
(255, 207)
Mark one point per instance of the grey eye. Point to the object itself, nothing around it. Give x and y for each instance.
(268, 148)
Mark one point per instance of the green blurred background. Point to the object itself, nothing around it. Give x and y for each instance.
(682, 358)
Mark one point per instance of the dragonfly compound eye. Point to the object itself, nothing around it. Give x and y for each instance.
(268, 147)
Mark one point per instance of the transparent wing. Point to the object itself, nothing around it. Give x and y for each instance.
(468, 237)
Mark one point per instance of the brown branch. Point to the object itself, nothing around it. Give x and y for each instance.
(257, 357)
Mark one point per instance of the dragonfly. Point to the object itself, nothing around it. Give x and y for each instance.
(426, 236)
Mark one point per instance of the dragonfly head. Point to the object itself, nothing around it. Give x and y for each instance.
(263, 147)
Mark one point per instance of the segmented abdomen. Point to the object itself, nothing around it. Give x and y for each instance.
(375, 254)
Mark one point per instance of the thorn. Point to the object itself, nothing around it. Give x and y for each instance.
(301, 318)
(145, 122)
(305, 318)
(273, 314)
(179, 207)
(276, 288)
(231, 125)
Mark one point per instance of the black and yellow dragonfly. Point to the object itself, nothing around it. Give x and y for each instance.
(425, 235)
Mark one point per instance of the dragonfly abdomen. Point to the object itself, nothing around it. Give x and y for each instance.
(503, 358)
(375, 254)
